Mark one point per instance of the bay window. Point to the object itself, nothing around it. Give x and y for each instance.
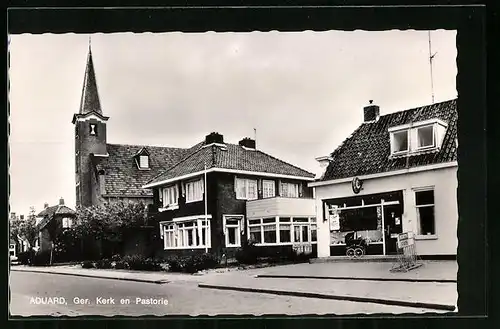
(268, 189)
(246, 189)
(188, 234)
(281, 230)
(289, 190)
(194, 191)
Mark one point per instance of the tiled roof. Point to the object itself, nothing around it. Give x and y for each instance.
(231, 157)
(124, 178)
(90, 97)
(49, 212)
(367, 150)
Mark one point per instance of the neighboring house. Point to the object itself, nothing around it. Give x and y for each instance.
(13, 249)
(52, 220)
(224, 194)
(396, 173)
(19, 245)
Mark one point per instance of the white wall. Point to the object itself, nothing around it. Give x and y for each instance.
(445, 184)
(280, 207)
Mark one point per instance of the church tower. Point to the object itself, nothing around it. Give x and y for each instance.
(90, 134)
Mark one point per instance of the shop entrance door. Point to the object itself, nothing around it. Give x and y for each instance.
(393, 226)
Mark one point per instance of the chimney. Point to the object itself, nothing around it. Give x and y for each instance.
(45, 205)
(324, 161)
(214, 138)
(21, 217)
(371, 112)
(61, 201)
(248, 143)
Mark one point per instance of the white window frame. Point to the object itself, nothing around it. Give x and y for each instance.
(246, 186)
(433, 205)
(433, 145)
(290, 186)
(237, 226)
(393, 141)
(311, 223)
(67, 222)
(166, 194)
(175, 233)
(144, 161)
(197, 188)
(268, 191)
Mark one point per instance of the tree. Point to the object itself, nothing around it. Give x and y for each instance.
(25, 229)
(108, 222)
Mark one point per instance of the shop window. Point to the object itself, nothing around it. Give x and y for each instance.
(425, 137)
(232, 229)
(425, 212)
(399, 141)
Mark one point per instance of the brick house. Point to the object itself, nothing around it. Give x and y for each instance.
(396, 173)
(50, 221)
(107, 172)
(224, 193)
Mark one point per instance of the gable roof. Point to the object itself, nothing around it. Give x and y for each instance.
(49, 213)
(229, 157)
(124, 178)
(367, 150)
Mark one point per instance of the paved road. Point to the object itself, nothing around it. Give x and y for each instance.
(86, 296)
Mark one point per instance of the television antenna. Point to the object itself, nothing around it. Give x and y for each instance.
(431, 57)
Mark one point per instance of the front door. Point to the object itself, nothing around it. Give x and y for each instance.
(393, 226)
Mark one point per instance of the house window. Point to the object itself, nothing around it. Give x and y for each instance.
(144, 161)
(170, 196)
(289, 190)
(67, 222)
(400, 141)
(246, 189)
(232, 230)
(425, 212)
(425, 137)
(194, 191)
(187, 235)
(268, 189)
(93, 129)
(281, 230)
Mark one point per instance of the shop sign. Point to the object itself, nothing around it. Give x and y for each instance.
(334, 219)
(357, 185)
(405, 240)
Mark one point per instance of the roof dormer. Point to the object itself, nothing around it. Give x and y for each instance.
(417, 137)
(142, 159)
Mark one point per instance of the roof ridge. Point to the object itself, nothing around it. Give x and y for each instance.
(419, 107)
(146, 146)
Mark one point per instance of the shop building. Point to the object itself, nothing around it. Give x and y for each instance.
(396, 173)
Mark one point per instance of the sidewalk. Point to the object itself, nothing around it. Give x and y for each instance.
(126, 275)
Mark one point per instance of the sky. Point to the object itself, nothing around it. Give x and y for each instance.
(303, 92)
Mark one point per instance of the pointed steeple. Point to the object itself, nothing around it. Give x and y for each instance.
(90, 97)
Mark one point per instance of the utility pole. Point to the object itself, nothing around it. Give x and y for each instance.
(431, 57)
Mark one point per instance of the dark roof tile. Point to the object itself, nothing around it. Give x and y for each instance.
(367, 150)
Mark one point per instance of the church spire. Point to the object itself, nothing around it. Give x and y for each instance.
(90, 97)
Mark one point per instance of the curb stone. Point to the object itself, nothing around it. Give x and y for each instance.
(441, 307)
(279, 276)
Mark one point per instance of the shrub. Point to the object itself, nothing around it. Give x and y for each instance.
(88, 264)
(42, 258)
(248, 254)
(192, 264)
(103, 264)
(120, 265)
(26, 257)
(138, 262)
